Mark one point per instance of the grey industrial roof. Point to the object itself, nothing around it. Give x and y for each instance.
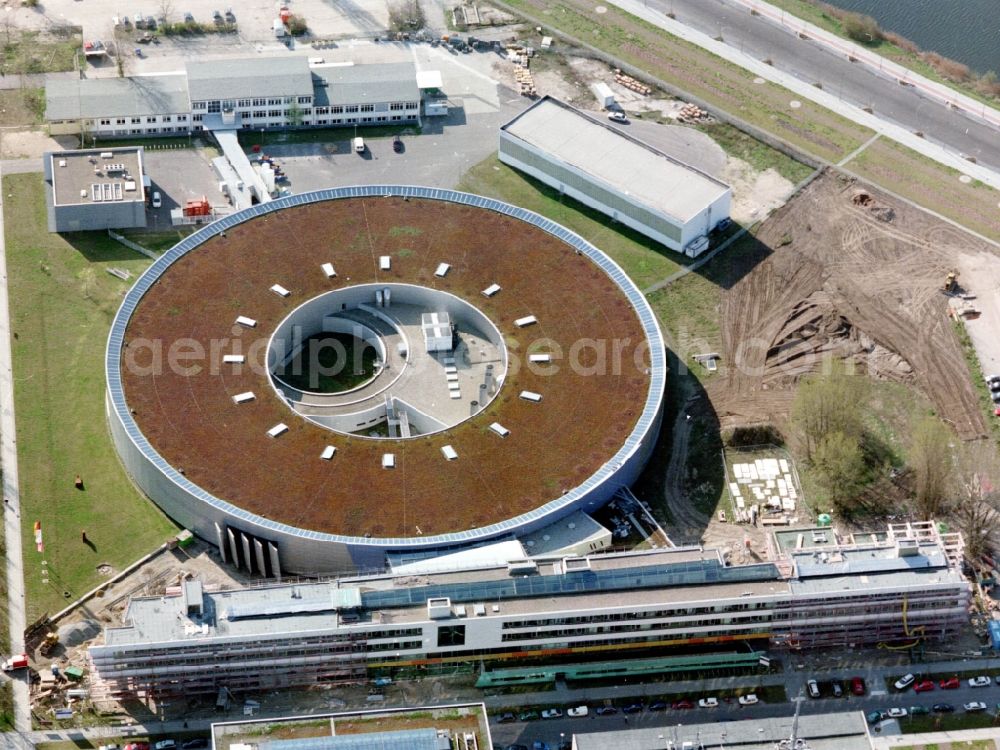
(404, 739)
(834, 731)
(73, 175)
(244, 78)
(616, 158)
(359, 84)
(89, 98)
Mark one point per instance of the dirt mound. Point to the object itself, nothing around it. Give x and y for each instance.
(843, 274)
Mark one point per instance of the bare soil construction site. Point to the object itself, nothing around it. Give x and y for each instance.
(845, 272)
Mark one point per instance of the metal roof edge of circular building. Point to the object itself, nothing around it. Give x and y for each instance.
(647, 419)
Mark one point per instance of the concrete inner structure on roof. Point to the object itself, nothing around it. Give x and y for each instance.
(415, 391)
(608, 169)
(95, 189)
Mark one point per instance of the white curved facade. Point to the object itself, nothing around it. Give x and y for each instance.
(278, 548)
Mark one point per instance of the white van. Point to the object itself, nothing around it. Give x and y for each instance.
(359, 145)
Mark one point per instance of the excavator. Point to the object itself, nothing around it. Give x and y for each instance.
(951, 282)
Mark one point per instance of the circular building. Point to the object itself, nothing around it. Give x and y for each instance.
(319, 380)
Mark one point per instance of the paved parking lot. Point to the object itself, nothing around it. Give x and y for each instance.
(253, 17)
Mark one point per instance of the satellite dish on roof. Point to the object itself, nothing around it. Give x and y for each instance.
(530, 543)
(545, 537)
(571, 525)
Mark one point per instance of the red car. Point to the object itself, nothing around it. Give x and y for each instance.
(857, 686)
(949, 684)
(676, 705)
(923, 686)
(137, 746)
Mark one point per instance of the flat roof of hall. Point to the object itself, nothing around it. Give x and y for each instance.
(630, 166)
(247, 77)
(96, 176)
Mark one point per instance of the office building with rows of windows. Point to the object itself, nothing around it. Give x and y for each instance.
(900, 586)
(251, 94)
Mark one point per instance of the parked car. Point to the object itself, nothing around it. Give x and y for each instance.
(981, 681)
(618, 117)
(188, 18)
(681, 705)
(943, 708)
(540, 745)
(194, 744)
(923, 686)
(994, 385)
(516, 746)
(896, 713)
(165, 745)
(995, 395)
(838, 691)
(632, 708)
(904, 682)
(874, 717)
(858, 686)
(813, 687)
(578, 711)
(397, 144)
(157, 199)
(230, 16)
(658, 706)
(918, 710)
(527, 716)
(708, 703)
(749, 699)
(506, 718)
(974, 706)
(137, 746)
(552, 713)
(949, 683)
(606, 710)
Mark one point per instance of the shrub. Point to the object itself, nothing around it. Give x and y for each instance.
(297, 25)
(861, 28)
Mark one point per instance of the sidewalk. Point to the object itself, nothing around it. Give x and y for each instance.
(807, 91)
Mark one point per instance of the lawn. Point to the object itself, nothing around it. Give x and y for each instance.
(62, 302)
(22, 107)
(33, 52)
(932, 185)
(158, 242)
(756, 153)
(687, 67)
(644, 260)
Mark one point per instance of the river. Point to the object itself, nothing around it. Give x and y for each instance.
(964, 30)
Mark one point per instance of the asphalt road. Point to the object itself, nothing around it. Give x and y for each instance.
(812, 62)
(876, 698)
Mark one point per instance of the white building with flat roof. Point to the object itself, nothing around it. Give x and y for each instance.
(608, 169)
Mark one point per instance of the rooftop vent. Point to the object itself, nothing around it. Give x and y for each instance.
(449, 452)
(907, 547)
(328, 452)
(279, 429)
(328, 270)
(384, 262)
(242, 398)
(246, 322)
(442, 270)
(280, 290)
(439, 608)
(526, 321)
(491, 290)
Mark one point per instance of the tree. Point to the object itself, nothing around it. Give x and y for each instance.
(932, 462)
(825, 404)
(166, 12)
(977, 495)
(840, 467)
